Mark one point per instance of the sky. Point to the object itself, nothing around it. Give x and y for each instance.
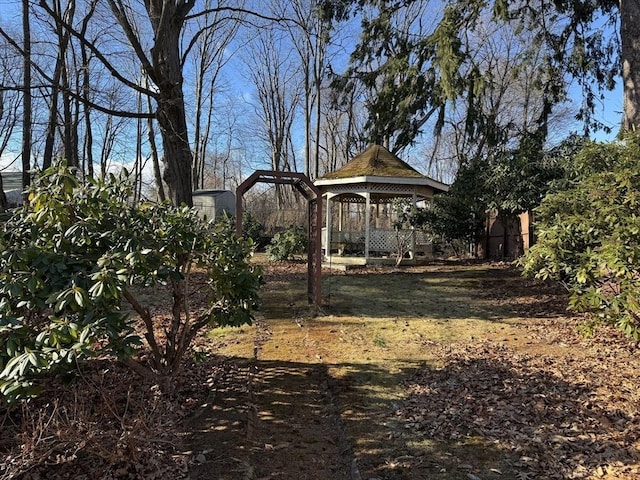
(609, 111)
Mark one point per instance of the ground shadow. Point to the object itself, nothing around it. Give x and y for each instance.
(290, 420)
(545, 425)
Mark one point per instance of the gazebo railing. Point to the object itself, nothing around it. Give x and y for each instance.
(382, 242)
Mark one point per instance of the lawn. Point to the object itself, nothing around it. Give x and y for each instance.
(448, 371)
(451, 371)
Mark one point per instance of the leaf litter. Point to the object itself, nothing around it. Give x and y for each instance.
(551, 402)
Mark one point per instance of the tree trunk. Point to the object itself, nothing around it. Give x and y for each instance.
(3, 197)
(177, 152)
(198, 142)
(70, 153)
(52, 125)
(26, 111)
(167, 20)
(155, 158)
(630, 36)
(86, 94)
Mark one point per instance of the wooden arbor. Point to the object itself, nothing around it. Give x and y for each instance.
(314, 202)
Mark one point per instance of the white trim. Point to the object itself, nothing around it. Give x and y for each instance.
(392, 180)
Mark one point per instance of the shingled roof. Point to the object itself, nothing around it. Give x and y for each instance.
(375, 161)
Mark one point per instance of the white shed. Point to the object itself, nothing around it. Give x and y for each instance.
(212, 203)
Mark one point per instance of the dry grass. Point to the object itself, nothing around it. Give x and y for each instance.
(451, 371)
(389, 339)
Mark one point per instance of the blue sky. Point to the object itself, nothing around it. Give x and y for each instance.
(609, 111)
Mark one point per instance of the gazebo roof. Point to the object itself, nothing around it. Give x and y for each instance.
(378, 169)
(375, 161)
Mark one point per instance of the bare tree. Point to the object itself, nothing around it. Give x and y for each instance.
(513, 102)
(87, 157)
(164, 68)
(276, 80)
(342, 128)
(10, 99)
(155, 157)
(59, 84)
(211, 55)
(26, 102)
(159, 27)
(308, 35)
(9, 108)
(111, 129)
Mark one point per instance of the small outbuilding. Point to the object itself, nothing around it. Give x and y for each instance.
(358, 226)
(212, 204)
(12, 186)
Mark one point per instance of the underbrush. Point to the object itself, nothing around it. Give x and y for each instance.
(106, 423)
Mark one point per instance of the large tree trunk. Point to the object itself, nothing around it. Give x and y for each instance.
(630, 36)
(167, 19)
(177, 152)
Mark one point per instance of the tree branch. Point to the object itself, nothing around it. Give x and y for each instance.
(123, 21)
(241, 10)
(114, 72)
(148, 323)
(100, 108)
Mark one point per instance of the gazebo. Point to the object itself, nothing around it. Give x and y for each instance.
(358, 226)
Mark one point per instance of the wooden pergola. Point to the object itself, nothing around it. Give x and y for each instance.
(371, 182)
(302, 184)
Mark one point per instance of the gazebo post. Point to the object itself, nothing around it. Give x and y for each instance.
(367, 225)
(328, 202)
(414, 199)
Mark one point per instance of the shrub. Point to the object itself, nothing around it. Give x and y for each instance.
(252, 228)
(75, 254)
(286, 244)
(589, 235)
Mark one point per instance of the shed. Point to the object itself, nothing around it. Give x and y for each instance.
(211, 204)
(12, 186)
(361, 232)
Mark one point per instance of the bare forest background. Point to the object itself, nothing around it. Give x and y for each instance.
(192, 95)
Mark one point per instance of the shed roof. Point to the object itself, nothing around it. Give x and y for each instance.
(375, 161)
